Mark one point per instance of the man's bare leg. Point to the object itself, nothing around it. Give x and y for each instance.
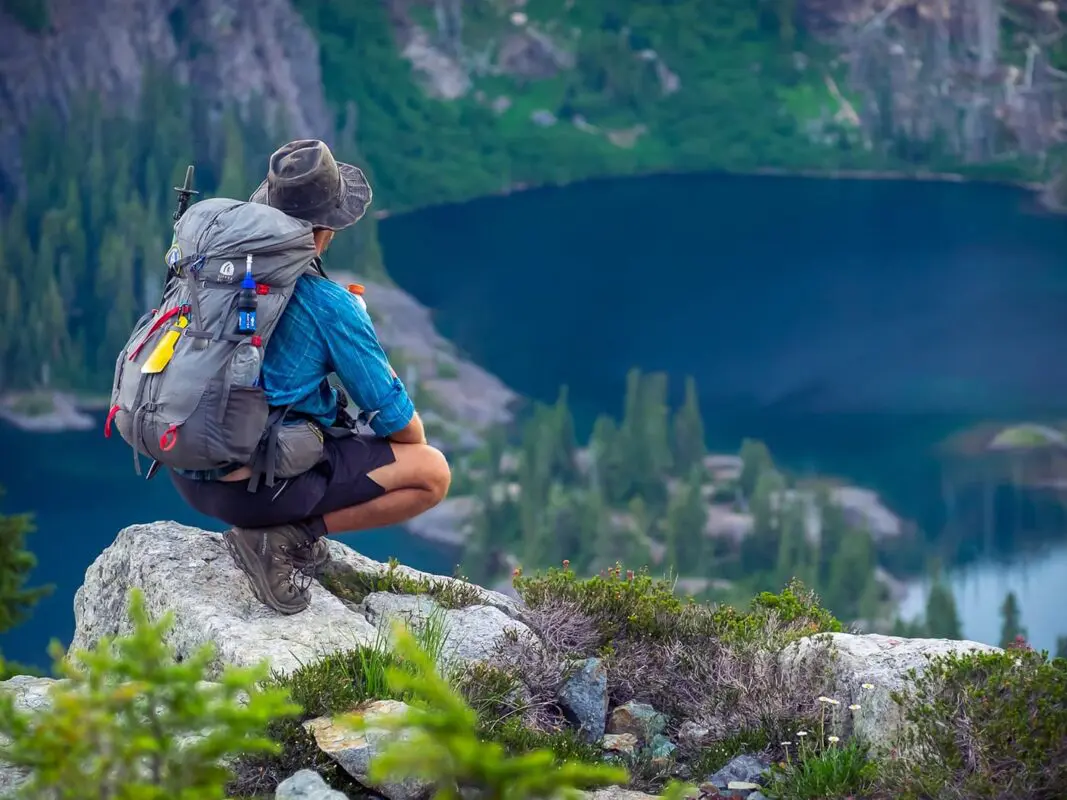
(414, 483)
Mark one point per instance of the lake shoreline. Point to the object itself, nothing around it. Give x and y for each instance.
(67, 411)
(1043, 191)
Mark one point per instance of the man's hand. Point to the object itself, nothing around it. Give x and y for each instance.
(412, 433)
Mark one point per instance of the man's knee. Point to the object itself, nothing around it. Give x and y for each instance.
(435, 473)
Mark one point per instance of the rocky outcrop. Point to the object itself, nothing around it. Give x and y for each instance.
(186, 571)
(867, 670)
(255, 49)
(943, 73)
(189, 573)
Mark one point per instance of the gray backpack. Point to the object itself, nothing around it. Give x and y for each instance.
(192, 414)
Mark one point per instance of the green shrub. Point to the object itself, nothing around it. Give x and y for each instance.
(444, 748)
(333, 684)
(984, 725)
(793, 613)
(824, 770)
(131, 721)
(714, 665)
(348, 584)
(632, 604)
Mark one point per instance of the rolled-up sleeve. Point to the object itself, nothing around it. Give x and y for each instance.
(357, 357)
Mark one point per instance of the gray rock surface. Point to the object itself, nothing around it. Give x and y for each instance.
(307, 785)
(640, 719)
(584, 697)
(31, 694)
(345, 558)
(247, 48)
(471, 634)
(188, 572)
(740, 769)
(354, 749)
(867, 669)
(618, 793)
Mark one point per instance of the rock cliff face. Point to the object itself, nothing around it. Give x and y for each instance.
(973, 77)
(228, 49)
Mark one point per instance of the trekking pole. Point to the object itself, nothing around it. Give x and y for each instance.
(184, 193)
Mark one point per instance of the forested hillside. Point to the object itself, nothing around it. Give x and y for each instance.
(81, 251)
(443, 101)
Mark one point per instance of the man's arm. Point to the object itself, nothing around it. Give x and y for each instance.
(357, 357)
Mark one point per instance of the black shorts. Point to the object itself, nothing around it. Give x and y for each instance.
(338, 481)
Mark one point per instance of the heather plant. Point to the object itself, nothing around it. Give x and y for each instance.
(716, 665)
(984, 725)
(441, 745)
(131, 722)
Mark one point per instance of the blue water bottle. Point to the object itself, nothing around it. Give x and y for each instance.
(246, 303)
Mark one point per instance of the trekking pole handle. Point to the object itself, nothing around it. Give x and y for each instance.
(184, 193)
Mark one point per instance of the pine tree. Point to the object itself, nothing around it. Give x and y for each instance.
(132, 721)
(687, 516)
(609, 460)
(759, 549)
(756, 460)
(234, 180)
(1061, 647)
(942, 617)
(794, 553)
(1011, 625)
(16, 600)
(689, 435)
(851, 571)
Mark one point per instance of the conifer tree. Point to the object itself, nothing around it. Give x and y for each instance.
(689, 445)
(942, 618)
(130, 721)
(1011, 621)
(16, 563)
(755, 459)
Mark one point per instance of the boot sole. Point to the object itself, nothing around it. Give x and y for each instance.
(245, 560)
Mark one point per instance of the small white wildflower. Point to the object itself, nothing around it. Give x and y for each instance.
(832, 739)
(802, 733)
(826, 700)
(867, 685)
(786, 744)
(854, 707)
(518, 18)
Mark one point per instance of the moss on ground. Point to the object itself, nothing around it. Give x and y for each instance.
(353, 586)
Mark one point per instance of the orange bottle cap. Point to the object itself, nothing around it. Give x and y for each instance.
(356, 288)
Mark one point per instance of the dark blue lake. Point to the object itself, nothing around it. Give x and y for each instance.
(851, 325)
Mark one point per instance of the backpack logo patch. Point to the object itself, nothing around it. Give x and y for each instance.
(226, 270)
(173, 255)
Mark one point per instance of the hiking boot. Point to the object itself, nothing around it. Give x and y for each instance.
(311, 559)
(266, 556)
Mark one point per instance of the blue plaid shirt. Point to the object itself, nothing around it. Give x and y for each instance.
(324, 329)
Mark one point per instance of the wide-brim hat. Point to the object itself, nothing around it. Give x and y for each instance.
(305, 181)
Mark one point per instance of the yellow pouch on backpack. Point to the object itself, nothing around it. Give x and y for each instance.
(164, 351)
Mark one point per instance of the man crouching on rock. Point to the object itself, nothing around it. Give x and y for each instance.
(361, 481)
